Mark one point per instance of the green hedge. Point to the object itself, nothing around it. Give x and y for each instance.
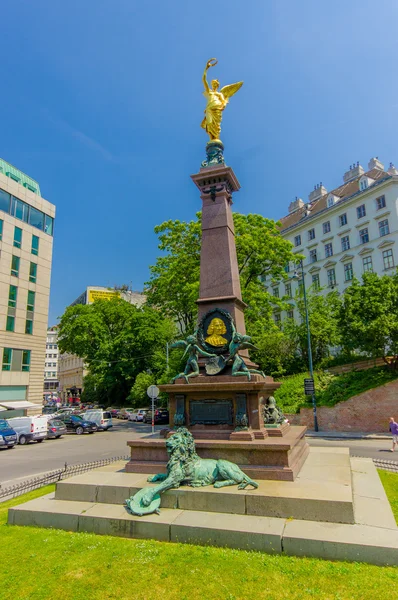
(330, 389)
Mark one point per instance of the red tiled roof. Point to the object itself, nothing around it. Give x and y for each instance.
(344, 191)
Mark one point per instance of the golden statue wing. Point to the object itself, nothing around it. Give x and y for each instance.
(230, 90)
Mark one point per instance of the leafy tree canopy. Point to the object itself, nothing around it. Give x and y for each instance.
(323, 313)
(117, 341)
(369, 316)
(174, 282)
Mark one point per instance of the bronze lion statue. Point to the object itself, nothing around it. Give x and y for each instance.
(185, 467)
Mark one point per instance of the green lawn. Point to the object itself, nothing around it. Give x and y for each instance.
(49, 564)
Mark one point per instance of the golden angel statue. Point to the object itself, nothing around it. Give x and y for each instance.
(216, 102)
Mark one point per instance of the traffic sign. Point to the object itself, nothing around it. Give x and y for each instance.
(309, 387)
(153, 391)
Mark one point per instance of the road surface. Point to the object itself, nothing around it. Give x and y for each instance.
(25, 461)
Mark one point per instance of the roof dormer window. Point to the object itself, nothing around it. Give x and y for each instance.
(331, 200)
(365, 182)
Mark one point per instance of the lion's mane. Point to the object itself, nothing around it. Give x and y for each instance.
(184, 452)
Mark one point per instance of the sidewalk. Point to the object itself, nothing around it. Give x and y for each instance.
(348, 435)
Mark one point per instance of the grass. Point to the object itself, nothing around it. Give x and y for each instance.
(390, 482)
(330, 389)
(40, 564)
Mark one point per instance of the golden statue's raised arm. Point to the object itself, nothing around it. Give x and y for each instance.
(217, 100)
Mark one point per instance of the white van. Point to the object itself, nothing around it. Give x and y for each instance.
(29, 428)
(102, 418)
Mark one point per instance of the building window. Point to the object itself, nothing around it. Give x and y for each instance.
(290, 314)
(363, 236)
(388, 259)
(275, 292)
(1, 228)
(17, 237)
(288, 290)
(287, 268)
(361, 211)
(55, 346)
(29, 326)
(50, 346)
(326, 227)
(15, 266)
(311, 234)
(297, 240)
(277, 317)
(48, 224)
(19, 209)
(348, 272)
(35, 245)
(16, 360)
(328, 250)
(36, 218)
(300, 286)
(33, 272)
(343, 220)
(364, 184)
(31, 301)
(5, 198)
(10, 324)
(380, 202)
(384, 228)
(331, 277)
(313, 256)
(315, 282)
(345, 243)
(12, 296)
(367, 264)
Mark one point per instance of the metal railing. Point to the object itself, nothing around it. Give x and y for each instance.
(33, 483)
(386, 465)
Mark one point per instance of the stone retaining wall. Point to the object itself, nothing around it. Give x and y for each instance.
(368, 412)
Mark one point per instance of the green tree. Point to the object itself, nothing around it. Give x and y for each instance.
(277, 353)
(174, 282)
(323, 312)
(369, 317)
(117, 341)
(138, 393)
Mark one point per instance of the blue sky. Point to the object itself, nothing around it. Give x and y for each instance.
(102, 102)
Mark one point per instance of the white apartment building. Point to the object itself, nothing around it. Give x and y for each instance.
(26, 243)
(51, 383)
(71, 368)
(345, 232)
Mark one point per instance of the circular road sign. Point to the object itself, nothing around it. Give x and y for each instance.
(153, 391)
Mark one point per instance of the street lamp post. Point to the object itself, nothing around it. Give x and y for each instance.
(307, 322)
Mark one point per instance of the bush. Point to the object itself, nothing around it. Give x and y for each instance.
(330, 389)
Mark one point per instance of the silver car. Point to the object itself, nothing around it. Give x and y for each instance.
(55, 428)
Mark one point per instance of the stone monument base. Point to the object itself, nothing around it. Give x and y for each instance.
(279, 458)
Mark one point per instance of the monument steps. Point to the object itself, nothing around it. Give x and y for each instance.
(93, 503)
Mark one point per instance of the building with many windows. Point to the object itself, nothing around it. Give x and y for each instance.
(51, 383)
(26, 244)
(71, 368)
(345, 232)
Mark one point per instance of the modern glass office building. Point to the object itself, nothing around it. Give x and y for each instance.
(26, 244)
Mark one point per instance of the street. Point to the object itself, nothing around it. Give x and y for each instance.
(32, 459)
(24, 461)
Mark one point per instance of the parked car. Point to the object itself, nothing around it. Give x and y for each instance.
(161, 415)
(77, 424)
(138, 414)
(8, 436)
(55, 428)
(49, 409)
(65, 411)
(114, 412)
(124, 413)
(29, 428)
(101, 418)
